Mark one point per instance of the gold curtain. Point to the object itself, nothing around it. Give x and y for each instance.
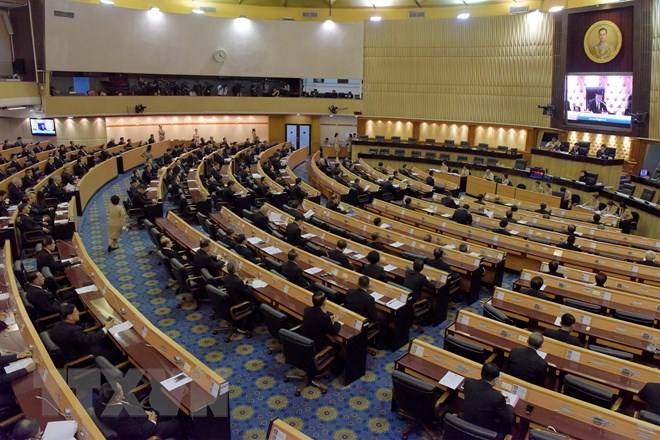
(487, 69)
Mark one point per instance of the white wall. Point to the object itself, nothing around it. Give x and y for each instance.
(5, 50)
(337, 124)
(113, 39)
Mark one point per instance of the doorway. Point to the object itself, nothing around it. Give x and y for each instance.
(299, 135)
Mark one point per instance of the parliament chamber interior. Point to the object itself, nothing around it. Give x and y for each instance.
(329, 220)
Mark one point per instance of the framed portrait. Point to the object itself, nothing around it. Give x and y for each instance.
(602, 41)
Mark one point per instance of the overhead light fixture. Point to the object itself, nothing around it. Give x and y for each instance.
(154, 9)
(534, 11)
(107, 2)
(198, 11)
(17, 108)
(463, 16)
(555, 9)
(376, 18)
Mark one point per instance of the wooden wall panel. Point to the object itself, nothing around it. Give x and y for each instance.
(654, 111)
(486, 69)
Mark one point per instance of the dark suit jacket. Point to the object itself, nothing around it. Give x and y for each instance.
(42, 300)
(359, 301)
(388, 187)
(28, 223)
(526, 364)
(237, 290)
(317, 325)
(556, 274)
(202, 260)
(416, 281)
(649, 263)
(246, 253)
(73, 340)
(501, 231)
(332, 206)
(568, 246)
(140, 200)
(534, 293)
(462, 216)
(297, 192)
(260, 220)
(127, 425)
(430, 181)
(49, 168)
(294, 234)
(342, 259)
(171, 253)
(438, 263)
(377, 245)
(448, 202)
(15, 194)
(374, 271)
(294, 273)
(651, 395)
(561, 335)
(45, 258)
(483, 404)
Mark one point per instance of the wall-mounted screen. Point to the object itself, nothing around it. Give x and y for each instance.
(599, 100)
(42, 127)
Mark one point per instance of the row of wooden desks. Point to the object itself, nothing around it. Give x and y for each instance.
(535, 405)
(205, 398)
(281, 294)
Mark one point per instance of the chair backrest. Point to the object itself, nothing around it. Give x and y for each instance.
(220, 302)
(357, 238)
(298, 350)
(179, 272)
(166, 263)
(154, 236)
(337, 230)
(449, 143)
(648, 194)
(400, 153)
(396, 139)
(207, 277)
(482, 147)
(411, 256)
(53, 349)
(465, 349)
(384, 151)
(388, 197)
(429, 155)
(492, 161)
(318, 222)
(627, 189)
(414, 396)
(273, 263)
(462, 158)
(110, 372)
(107, 432)
(588, 392)
(538, 434)
(379, 138)
(416, 153)
(430, 141)
(147, 224)
(492, 313)
(19, 273)
(330, 293)
(478, 161)
(275, 320)
(313, 248)
(612, 352)
(444, 156)
(373, 150)
(412, 140)
(465, 144)
(456, 428)
(650, 417)
(636, 318)
(502, 148)
(520, 164)
(587, 307)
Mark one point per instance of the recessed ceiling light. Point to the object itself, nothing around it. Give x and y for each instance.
(376, 18)
(107, 2)
(198, 11)
(555, 9)
(463, 16)
(154, 9)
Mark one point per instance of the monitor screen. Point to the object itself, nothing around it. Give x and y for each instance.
(599, 100)
(591, 178)
(42, 127)
(537, 173)
(643, 173)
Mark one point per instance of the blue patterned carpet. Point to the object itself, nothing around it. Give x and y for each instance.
(258, 392)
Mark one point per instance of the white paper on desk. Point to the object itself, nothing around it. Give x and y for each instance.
(348, 251)
(429, 210)
(377, 296)
(62, 221)
(5, 218)
(64, 212)
(396, 244)
(446, 215)
(68, 260)
(558, 321)
(395, 304)
(274, 217)
(474, 254)
(309, 214)
(256, 176)
(488, 213)
(308, 235)
(69, 188)
(17, 365)
(87, 289)
(254, 240)
(313, 270)
(4, 297)
(522, 222)
(357, 256)
(176, 381)
(542, 354)
(258, 284)
(386, 226)
(9, 320)
(389, 268)
(511, 399)
(272, 250)
(194, 250)
(152, 189)
(120, 327)
(451, 380)
(513, 232)
(449, 246)
(60, 430)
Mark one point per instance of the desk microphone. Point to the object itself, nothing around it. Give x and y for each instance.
(70, 246)
(67, 411)
(121, 310)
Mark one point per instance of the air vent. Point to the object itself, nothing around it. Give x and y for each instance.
(63, 14)
(208, 8)
(522, 9)
(416, 14)
(310, 14)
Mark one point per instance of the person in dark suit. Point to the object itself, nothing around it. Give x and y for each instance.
(334, 204)
(7, 398)
(4, 212)
(43, 301)
(372, 269)
(46, 257)
(388, 186)
(236, 288)
(229, 238)
(140, 200)
(292, 271)
(502, 229)
(338, 255)
(167, 249)
(293, 231)
(26, 222)
(317, 324)
(553, 269)
(437, 260)
(651, 395)
(260, 219)
(244, 251)
(404, 170)
(26, 429)
(361, 302)
(79, 168)
(535, 288)
(508, 216)
(50, 165)
(601, 279)
(296, 191)
(569, 244)
(55, 191)
(130, 420)
(15, 192)
(228, 193)
(542, 209)
(649, 259)
(564, 333)
(597, 105)
(204, 260)
(447, 201)
(429, 179)
(74, 341)
(375, 242)
(526, 364)
(485, 406)
(462, 215)
(416, 281)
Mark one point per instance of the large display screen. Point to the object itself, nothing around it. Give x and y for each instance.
(599, 100)
(42, 127)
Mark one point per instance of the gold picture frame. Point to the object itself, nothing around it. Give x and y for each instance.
(602, 41)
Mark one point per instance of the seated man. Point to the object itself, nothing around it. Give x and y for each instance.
(375, 242)
(416, 281)
(43, 301)
(244, 251)
(447, 201)
(535, 288)
(338, 255)
(553, 269)
(502, 229)
(564, 333)
(361, 302)
(372, 269)
(204, 260)
(46, 258)
(437, 260)
(26, 429)
(317, 324)
(260, 218)
(294, 232)
(292, 271)
(601, 279)
(131, 420)
(462, 215)
(526, 364)
(169, 251)
(569, 244)
(542, 209)
(485, 406)
(334, 204)
(74, 341)
(649, 259)
(236, 288)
